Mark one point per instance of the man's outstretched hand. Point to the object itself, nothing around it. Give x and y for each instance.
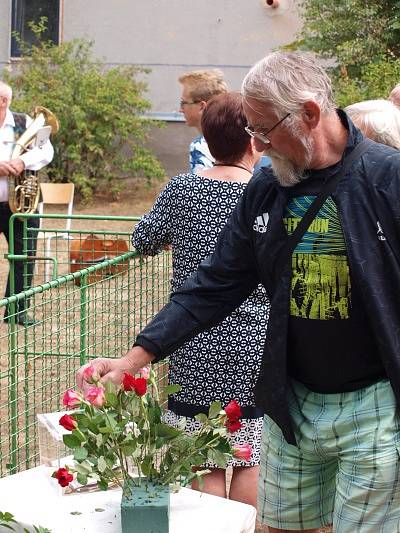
(114, 369)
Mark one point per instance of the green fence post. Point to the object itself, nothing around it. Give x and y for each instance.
(11, 310)
(12, 391)
(83, 320)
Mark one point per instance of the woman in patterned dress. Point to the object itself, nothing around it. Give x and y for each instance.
(222, 363)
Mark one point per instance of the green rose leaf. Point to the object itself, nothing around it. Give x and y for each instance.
(79, 436)
(166, 431)
(71, 441)
(214, 410)
(110, 387)
(201, 417)
(172, 389)
(102, 465)
(102, 484)
(99, 440)
(111, 399)
(7, 517)
(83, 468)
(106, 430)
(80, 454)
(217, 457)
(82, 478)
(128, 449)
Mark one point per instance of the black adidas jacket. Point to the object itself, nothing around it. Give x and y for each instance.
(368, 201)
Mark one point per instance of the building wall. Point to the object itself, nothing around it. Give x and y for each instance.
(5, 32)
(171, 37)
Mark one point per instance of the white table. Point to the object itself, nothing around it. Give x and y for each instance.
(31, 497)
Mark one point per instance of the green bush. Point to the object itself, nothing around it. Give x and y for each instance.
(102, 129)
(376, 80)
(360, 39)
(351, 32)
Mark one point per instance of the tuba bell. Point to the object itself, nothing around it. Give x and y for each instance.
(24, 190)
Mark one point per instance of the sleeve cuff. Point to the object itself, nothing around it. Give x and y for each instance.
(149, 347)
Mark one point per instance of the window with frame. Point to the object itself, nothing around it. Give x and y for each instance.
(25, 11)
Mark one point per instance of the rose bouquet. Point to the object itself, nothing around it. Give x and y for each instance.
(117, 435)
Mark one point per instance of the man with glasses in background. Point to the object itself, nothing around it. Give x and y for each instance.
(329, 384)
(198, 87)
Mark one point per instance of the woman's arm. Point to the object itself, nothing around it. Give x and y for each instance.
(154, 231)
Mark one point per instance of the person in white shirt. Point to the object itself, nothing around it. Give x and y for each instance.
(33, 159)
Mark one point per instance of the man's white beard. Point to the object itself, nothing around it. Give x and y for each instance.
(287, 172)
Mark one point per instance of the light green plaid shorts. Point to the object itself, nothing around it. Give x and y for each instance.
(345, 469)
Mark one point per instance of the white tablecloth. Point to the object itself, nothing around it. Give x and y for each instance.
(31, 497)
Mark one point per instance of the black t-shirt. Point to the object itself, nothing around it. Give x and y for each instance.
(331, 348)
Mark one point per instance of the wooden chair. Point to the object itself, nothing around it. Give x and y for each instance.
(55, 194)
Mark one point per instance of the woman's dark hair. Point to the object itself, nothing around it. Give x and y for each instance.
(223, 122)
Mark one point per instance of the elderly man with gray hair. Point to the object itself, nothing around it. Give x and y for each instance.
(394, 95)
(377, 119)
(12, 126)
(321, 231)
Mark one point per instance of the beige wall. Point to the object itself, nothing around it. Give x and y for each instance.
(174, 36)
(171, 145)
(171, 37)
(5, 32)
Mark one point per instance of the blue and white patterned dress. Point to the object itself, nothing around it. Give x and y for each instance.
(223, 362)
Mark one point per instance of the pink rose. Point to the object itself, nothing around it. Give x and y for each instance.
(145, 372)
(242, 451)
(95, 396)
(68, 422)
(90, 375)
(71, 398)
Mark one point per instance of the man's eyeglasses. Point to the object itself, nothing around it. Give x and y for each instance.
(262, 137)
(185, 102)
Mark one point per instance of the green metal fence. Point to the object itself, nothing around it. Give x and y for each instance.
(97, 310)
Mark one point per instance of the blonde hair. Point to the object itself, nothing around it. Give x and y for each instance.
(204, 84)
(377, 119)
(5, 90)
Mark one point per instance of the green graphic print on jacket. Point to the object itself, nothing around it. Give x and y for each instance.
(320, 280)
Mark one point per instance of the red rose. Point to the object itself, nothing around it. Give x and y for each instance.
(233, 425)
(140, 386)
(63, 477)
(233, 411)
(128, 382)
(68, 422)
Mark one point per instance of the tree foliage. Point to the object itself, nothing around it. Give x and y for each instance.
(360, 39)
(102, 129)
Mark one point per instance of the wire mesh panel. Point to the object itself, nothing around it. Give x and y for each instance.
(94, 307)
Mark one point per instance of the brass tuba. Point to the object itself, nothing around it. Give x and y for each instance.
(24, 190)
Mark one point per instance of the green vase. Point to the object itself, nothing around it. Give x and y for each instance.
(145, 509)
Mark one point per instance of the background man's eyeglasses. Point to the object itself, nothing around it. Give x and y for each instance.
(185, 102)
(262, 137)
